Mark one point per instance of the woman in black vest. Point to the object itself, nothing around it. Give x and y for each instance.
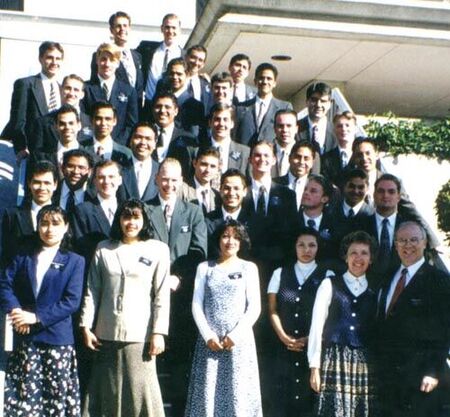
(339, 344)
(291, 295)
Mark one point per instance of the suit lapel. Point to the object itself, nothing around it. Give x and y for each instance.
(176, 222)
(101, 219)
(25, 221)
(158, 221)
(39, 94)
(53, 272)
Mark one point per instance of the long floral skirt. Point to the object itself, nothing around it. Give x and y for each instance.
(41, 380)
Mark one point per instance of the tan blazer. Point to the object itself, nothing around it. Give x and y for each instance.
(128, 291)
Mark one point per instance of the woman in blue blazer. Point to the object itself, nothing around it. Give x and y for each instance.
(40, 290)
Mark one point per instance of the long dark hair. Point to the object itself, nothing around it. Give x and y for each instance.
(240, 233)
(128, 208)
(53, 210)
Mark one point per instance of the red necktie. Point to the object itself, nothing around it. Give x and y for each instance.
(398, 290)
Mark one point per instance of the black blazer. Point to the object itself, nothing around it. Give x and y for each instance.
(246, 131)
(331, 166)
(28, 103)
(303, 132)
(124, 99)
(121, 73)
(120, 154)
(130, 186)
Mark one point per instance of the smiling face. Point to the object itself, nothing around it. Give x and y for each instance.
(68, 127)
(195, 61)
(120, 30)
(51, 62)
(265, 83)
(107, 180)
(229, 244)
(366, 157)
(206, 168)
(318, 106)
(76, 172)
(164, 111)
(358, 258)
(177, 77)
(222, 92)
(345, 131)
(42, 186)
(386, 197)
(410, 244)
(104, 121)
(169, 180)
(306, 248)
(107, 65)
(355, 189)
(221, 124)
(143, 143)
(51, 229)
(262, 160)
(232, 193)
(72, 91)
(285, 129)
(131, 225)
(171, 30)
(301, 162)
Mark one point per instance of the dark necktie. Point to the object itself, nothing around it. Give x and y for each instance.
(311, 223)
(167, 215)
(385, 243)
(205, 200)
(70, 203)
(315, 138)
(106, 91)
(261, 203)
(101, 152)
(166, 59)
(260, 115)
(52, 102)
(350, 214)
(398, 290)
(160, 140)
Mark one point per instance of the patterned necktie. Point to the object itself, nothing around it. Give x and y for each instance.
(385, 242)
(344, 159)
(398, 290)
(105, 91)
(261, 203)
(315, 138)
(52, 102)
(110, 215)
(166, 59)
(101, 152)
(167, 215)
(260, 117)
(128, 64)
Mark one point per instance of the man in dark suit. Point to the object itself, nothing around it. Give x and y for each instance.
(239, 68)
(413, 322)
(130, 68)
(156, 55)
(45, 130)
(301, 162)
(106, 87)
(200, 190)
(333, 162)
(138, 177)
(198, 82)
(19, 223)
(181, 225)
(255, 118)
(102, 146)
(315, 127)
(34, 97)
(92, 220)
(74, 187)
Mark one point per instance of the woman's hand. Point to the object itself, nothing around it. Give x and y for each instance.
(227, 343)
(20, 317)
(314, 379)
(24, 329)
(214, 344)
(293, 344)
(90, 339)
(157, 344)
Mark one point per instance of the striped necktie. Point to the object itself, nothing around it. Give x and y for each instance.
(52, 102)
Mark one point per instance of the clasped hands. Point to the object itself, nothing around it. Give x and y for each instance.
(217, 345)
(21, 320)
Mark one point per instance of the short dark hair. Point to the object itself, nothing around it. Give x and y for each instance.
(240, 232)
(389, 177)
(262, 142)
(222, 77)
(145, 124)
(325, 184)
(240, 57)
(52, 210)
(308, 231)
(303, 144)
(165, 94)
(266, 66)
(207, 151)
(233, 172)
(78, 153)
(49, 45)
(176, 61)
(41, 167)
(358, 237)
(73, 77)
(102, 105)
(360, 141)
(354, 173)
(67, 108)
(128, 209)
(114, 16)
(322, 88)
(284, 111)
(199, 48)
(219, 107)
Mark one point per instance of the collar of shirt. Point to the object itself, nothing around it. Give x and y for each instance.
(240, 91)
(172, 201)
(62, 149)
(200, 188)
(146, 163)
(321, 130)
(233, 215)
(348, 152)
(266, 101)
(196, 87)
(356, 285)
(267, 182)
(107, 146)
(79, 194)
(317, 220)
(294, 181)
(109, 82)
(391, 221)
(412, 269)
(303, 271)
(356, 208)
(286, 150)
(108, 205)
(224, 146)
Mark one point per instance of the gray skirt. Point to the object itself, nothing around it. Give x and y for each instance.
(123, 383)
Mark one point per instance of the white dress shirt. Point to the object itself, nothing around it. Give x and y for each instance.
(44, 260)
(109, 83)
(234, 215)
(224, 149)
(317, 220)
(161, 151)
(355, 209)
(143, 172)
(321, 131)
(298, 186)
(106, 146)
(256, 185)
(109, 207)
(320, 312)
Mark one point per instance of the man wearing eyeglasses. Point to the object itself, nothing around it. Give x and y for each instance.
(413, 323)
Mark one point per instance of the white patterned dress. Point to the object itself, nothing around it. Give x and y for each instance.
(226, 303)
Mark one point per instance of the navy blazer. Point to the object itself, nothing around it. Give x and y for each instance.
(245, 129)
(28, 102)
(121, 73)
(59, 296)
(130, 186)
(120, 154)
(303, 132)
(124, 99)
